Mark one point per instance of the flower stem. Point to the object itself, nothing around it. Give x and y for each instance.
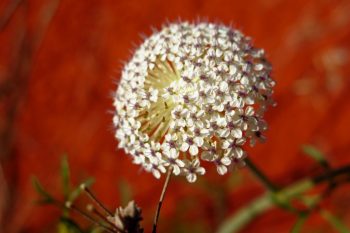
(165, 186)
(261, 176)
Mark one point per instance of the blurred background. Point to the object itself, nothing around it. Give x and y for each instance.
(60, 61)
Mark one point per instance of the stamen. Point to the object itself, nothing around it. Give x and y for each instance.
(156, 118)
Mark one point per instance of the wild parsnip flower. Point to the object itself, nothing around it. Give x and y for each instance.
(192, 93)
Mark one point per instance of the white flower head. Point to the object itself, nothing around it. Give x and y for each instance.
(192, 93)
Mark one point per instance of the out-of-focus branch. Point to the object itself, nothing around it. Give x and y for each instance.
(8, 12)
(260, 175)
(13, 91)
(268, 200)
(3, 197)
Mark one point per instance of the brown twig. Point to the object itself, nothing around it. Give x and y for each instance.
(94, 199)
(261, 176)
(71, 206)
(93, 210)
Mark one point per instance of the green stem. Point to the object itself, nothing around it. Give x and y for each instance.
(261, 176)
(268, 200)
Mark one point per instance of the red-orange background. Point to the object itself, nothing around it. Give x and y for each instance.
(60, 60)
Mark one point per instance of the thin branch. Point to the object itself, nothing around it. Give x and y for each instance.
(69, 205)
(94, 199)
(165, 186)
(92, 209)
(331, 174)
(261, 176)
(267, 201)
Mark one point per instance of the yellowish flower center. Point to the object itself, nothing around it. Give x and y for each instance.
(156, 118)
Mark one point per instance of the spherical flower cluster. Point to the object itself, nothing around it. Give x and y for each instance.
(192, 93)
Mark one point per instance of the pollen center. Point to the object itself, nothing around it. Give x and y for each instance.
(155, 117)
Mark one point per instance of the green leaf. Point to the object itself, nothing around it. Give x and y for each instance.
(282, 201)
(311, 201)
(46, 198)
(62, 228)
(77, 191)
(315, 154)
(96, 230)
(67, 225)
(334, 221)
(299, 223)
(65, 176)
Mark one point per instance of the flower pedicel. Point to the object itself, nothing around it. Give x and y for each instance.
(192, 93)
